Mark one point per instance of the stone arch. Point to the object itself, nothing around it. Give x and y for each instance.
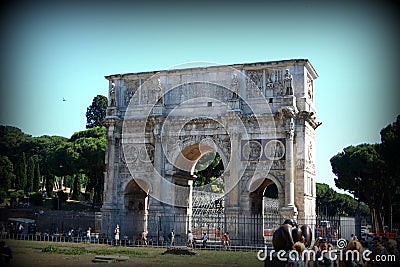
(259, 178)
(136, 206)
(192, 151)
(257, 188)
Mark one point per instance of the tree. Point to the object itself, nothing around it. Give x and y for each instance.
(30, 174)
(361, 170)
(6, 173)
(12, 140)
(390, 138)
(331, 203)
(44, 148)
(96, 112)
(20, 180)
(325, 200)
(207, 167)
(87, 148)
(36, 179)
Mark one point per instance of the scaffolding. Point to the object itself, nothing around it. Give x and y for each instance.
(207, 203)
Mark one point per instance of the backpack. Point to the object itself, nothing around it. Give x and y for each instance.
(169, 235)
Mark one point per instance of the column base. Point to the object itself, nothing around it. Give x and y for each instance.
(289, 212)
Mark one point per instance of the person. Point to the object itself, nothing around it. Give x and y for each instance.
(6, 254)
(357, 259)
(144, 237)
(20, 228)
(226, 240)
(116, 234)
(205, 238)
(322, 258)
(295, 258)
(352, 237)
(88, 234)
(161, 238)
(171, 237)
(70, 234)
(190, 239)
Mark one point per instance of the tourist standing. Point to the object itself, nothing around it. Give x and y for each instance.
(190, 239)
(144, 237)
(116, 234)
(323, 258)
(6, 254)
(205, 238)
(296, 255)
(88, 234)
(171, 236)
(226, 240)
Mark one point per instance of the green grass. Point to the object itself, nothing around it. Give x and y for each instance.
(138, 256)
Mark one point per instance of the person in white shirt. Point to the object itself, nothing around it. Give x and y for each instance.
(88, 234)
(190, 239)
(116, 234)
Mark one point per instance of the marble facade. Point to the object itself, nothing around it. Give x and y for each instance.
(259, 117)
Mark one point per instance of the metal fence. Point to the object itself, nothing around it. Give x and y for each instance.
(254, 230)
(246, 232)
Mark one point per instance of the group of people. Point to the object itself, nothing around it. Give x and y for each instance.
(191, 241)
(351, 256)
(382, 248)
(226, 240)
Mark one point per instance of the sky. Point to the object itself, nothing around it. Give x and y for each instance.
(52, 50)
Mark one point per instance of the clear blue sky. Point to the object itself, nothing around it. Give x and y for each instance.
(52, 50)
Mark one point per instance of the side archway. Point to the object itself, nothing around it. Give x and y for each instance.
(266, 194)
(136, 206)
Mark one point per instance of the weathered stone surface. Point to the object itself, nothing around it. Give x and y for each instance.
(259, 117)
(109, 258)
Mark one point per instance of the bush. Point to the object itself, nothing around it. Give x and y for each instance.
(3, 196)
(36, 199)
(58, 199)
(62, 195)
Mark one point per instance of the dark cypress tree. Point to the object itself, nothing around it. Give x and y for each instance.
(20, 181)
(6, 174)
(30, 175)
(36, 179)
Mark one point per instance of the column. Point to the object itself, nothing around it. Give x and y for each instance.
(155, 204)
(289, 210)
(109, 188)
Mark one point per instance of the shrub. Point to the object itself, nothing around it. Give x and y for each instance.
(36, 199)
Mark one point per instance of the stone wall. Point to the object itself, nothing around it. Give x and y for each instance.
(260, 117)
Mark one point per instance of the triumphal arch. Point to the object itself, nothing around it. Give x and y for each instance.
(260, 118)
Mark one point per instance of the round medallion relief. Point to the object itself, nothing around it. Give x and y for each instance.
(252, 150)
(274, 150)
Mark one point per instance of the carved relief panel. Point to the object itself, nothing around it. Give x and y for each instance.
(131, 88)
(254, 83)
(275, 81)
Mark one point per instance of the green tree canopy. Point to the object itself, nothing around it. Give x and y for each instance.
(209, 169)
(390, 138)
(86, 152)
(6, 173)
(361, 170)
(331, 203)
(96, 112)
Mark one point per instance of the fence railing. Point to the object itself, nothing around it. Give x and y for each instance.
(245, 231)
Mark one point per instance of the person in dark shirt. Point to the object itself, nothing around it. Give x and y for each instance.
(6, 254)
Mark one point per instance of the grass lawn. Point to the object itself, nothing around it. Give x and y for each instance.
(39, 253)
